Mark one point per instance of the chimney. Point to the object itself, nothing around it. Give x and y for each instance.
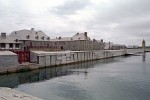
(85, 34)
(3, 35)
(32, 29)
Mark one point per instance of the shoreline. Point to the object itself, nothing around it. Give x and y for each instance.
(33, 66)
(12, 94)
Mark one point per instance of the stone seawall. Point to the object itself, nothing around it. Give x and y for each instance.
(49, 59)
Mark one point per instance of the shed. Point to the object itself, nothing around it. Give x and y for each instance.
(51, 58)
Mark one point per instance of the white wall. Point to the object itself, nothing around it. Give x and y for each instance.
(64, 58)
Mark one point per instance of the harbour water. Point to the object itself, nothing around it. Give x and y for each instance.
(120, 78)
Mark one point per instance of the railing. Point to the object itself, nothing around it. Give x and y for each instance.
(23, 56)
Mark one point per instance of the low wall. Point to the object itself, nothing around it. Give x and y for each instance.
(46, 59)
(134, 51)
(8, 59)
(50, 59)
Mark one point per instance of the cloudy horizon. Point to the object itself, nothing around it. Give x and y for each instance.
(118, 21)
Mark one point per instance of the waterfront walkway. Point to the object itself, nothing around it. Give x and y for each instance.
(11, 94)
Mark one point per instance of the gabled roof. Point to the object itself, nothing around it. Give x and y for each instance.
(78, 36)
(30, 35)
(8, 39)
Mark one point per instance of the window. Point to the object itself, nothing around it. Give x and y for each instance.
(28, 36)
(10, 45)
(42, 38)
(37, 37)
(16, 40)
(48, 38)
(3, 45)
(17, 45)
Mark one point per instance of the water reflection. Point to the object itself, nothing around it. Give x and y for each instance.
(120, 78)
(144, 57)
(13, 80)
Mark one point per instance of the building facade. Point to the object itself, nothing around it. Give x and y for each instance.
(112, 46)
(38, 40)
(32, 39)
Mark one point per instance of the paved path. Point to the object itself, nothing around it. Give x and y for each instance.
(11, 94)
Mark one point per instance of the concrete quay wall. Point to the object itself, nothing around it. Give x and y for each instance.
(60, 58)
(41, 59)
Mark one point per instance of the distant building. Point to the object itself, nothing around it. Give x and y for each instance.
(132, 46)
(112, 46)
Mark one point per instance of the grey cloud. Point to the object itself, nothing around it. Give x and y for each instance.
(120, 21)
(70, 7)
(131, 17)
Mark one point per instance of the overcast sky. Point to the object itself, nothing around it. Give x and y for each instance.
(119, 21)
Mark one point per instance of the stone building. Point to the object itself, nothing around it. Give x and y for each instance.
(32, 39)
(78, 42)
(9, 43)
(112, 46)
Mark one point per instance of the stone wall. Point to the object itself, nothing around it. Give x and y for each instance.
(58, 58)
(8, 60)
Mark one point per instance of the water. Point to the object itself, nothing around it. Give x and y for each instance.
(121, 78)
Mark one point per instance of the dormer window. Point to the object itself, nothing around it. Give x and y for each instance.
(16, 40)
(28, 36)
(79, 38)
(15, 32)
(37, 37)
(59, 38)
(36, 32)
(48, 38)
(42, 38)
(71, 39)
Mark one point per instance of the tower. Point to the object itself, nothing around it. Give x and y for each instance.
(143, 45)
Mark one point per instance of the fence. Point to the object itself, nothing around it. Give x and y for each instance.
(23, 56)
